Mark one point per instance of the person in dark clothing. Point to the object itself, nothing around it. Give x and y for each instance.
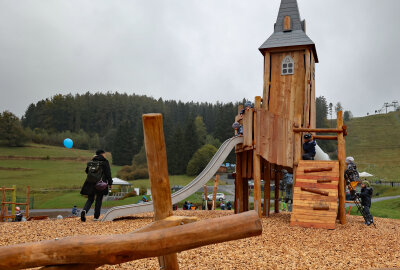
(90, 190)
(228, 205)
(365, 195)
(351, 176)
(309, 147)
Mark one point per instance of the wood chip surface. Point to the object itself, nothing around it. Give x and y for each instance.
(350, 246)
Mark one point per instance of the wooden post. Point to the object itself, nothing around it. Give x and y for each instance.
(257, 164)
(214, 204)
(342, 165)
(13, 199)
(267, 186)
(246, 195)
(205, 197)
(277, 183)
(267, 84)
(158, 174)
(27, 202)
(238, 185)
(3, 204)
(297, 150)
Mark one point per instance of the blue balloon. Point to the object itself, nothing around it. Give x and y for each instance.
(68, 143)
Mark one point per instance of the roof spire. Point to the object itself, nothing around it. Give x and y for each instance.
(289, 30)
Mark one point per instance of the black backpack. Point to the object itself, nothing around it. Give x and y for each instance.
(95, 171)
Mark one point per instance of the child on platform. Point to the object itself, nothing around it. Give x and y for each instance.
(309, 147)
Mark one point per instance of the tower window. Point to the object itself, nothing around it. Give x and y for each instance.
(287, 25)
(287, 66)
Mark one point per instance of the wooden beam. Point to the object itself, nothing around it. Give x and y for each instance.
(324, 169)
(158, 173)
(167, 222)
(120, 248)
(277, 183)
(239, 184)
(257, 164)
(342, 165)
(316, 191)
(267, 81)
(322, 137)
(267, 188)
(318, 130)
(321, 207)
(205, 197)
(214, 202)
(324, 181)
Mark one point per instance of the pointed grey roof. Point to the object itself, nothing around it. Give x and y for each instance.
(296, 36)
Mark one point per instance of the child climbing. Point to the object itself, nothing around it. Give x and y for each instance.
(366, 195)
(309, 147)
(238, 129)
(351, 176)
(288, 185)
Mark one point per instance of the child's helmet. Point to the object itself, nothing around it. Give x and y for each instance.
(235, 125)
(349, 160)
(247, 104)
(307, 136)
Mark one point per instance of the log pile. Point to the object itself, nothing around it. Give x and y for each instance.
(350, 246)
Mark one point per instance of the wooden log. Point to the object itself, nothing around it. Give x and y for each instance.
(215, 192)
(324, 181)
(342, 165)
(324, 169)
(238, 184)
(120, 248)
(71, 266)
(267, 188)
(321, 207)
(158, 173)
(316, 191)
(27, 202)
(318, 130)
(167, 222)
(257, 164)
(323, 137)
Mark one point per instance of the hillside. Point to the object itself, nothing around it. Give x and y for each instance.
(374, 142)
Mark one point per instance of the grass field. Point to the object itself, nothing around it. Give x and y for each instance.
(56, 174)
(374, 143)
(385, 209)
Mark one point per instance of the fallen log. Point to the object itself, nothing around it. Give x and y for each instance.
(116, 249)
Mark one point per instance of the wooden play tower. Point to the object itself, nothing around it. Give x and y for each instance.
(273, 130)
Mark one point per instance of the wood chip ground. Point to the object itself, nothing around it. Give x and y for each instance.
(351, 246)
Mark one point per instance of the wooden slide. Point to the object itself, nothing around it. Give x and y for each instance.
(315, 194)
(208, 172)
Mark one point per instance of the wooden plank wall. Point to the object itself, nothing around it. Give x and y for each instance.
(248, 128)
(274, 139)
(305, 203)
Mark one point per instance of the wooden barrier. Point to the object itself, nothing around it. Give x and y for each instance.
(115, 249)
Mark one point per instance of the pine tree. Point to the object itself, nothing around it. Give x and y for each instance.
(11, 131)
(123, 146)
(200, 129)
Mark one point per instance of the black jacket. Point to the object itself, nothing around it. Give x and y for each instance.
(90, 188)
(365, 195)
(351, 173)
(309, 147)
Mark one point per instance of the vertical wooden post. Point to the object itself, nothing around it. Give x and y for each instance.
(267, 186)
(205, 197)
(13, 199)
(267, 72)
(158, 174)
(245, 195)
(214, 204)
(27, 202)
(257, 163)
(3, 205)
(297, 151)
(342, 165)
(277, 183)
(238, 185)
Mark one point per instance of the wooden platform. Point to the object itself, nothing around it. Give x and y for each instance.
(315, 195)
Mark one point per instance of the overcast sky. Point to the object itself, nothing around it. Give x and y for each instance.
(190, 49)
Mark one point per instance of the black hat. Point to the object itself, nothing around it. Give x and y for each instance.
(99, 152)
(307, 136)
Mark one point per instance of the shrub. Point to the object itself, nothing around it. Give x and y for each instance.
(200, 159)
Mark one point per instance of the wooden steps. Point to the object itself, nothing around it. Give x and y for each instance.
(315, 194)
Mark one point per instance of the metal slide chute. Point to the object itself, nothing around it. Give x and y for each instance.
(197, 183)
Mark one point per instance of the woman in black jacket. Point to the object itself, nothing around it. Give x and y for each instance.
(90, 190)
